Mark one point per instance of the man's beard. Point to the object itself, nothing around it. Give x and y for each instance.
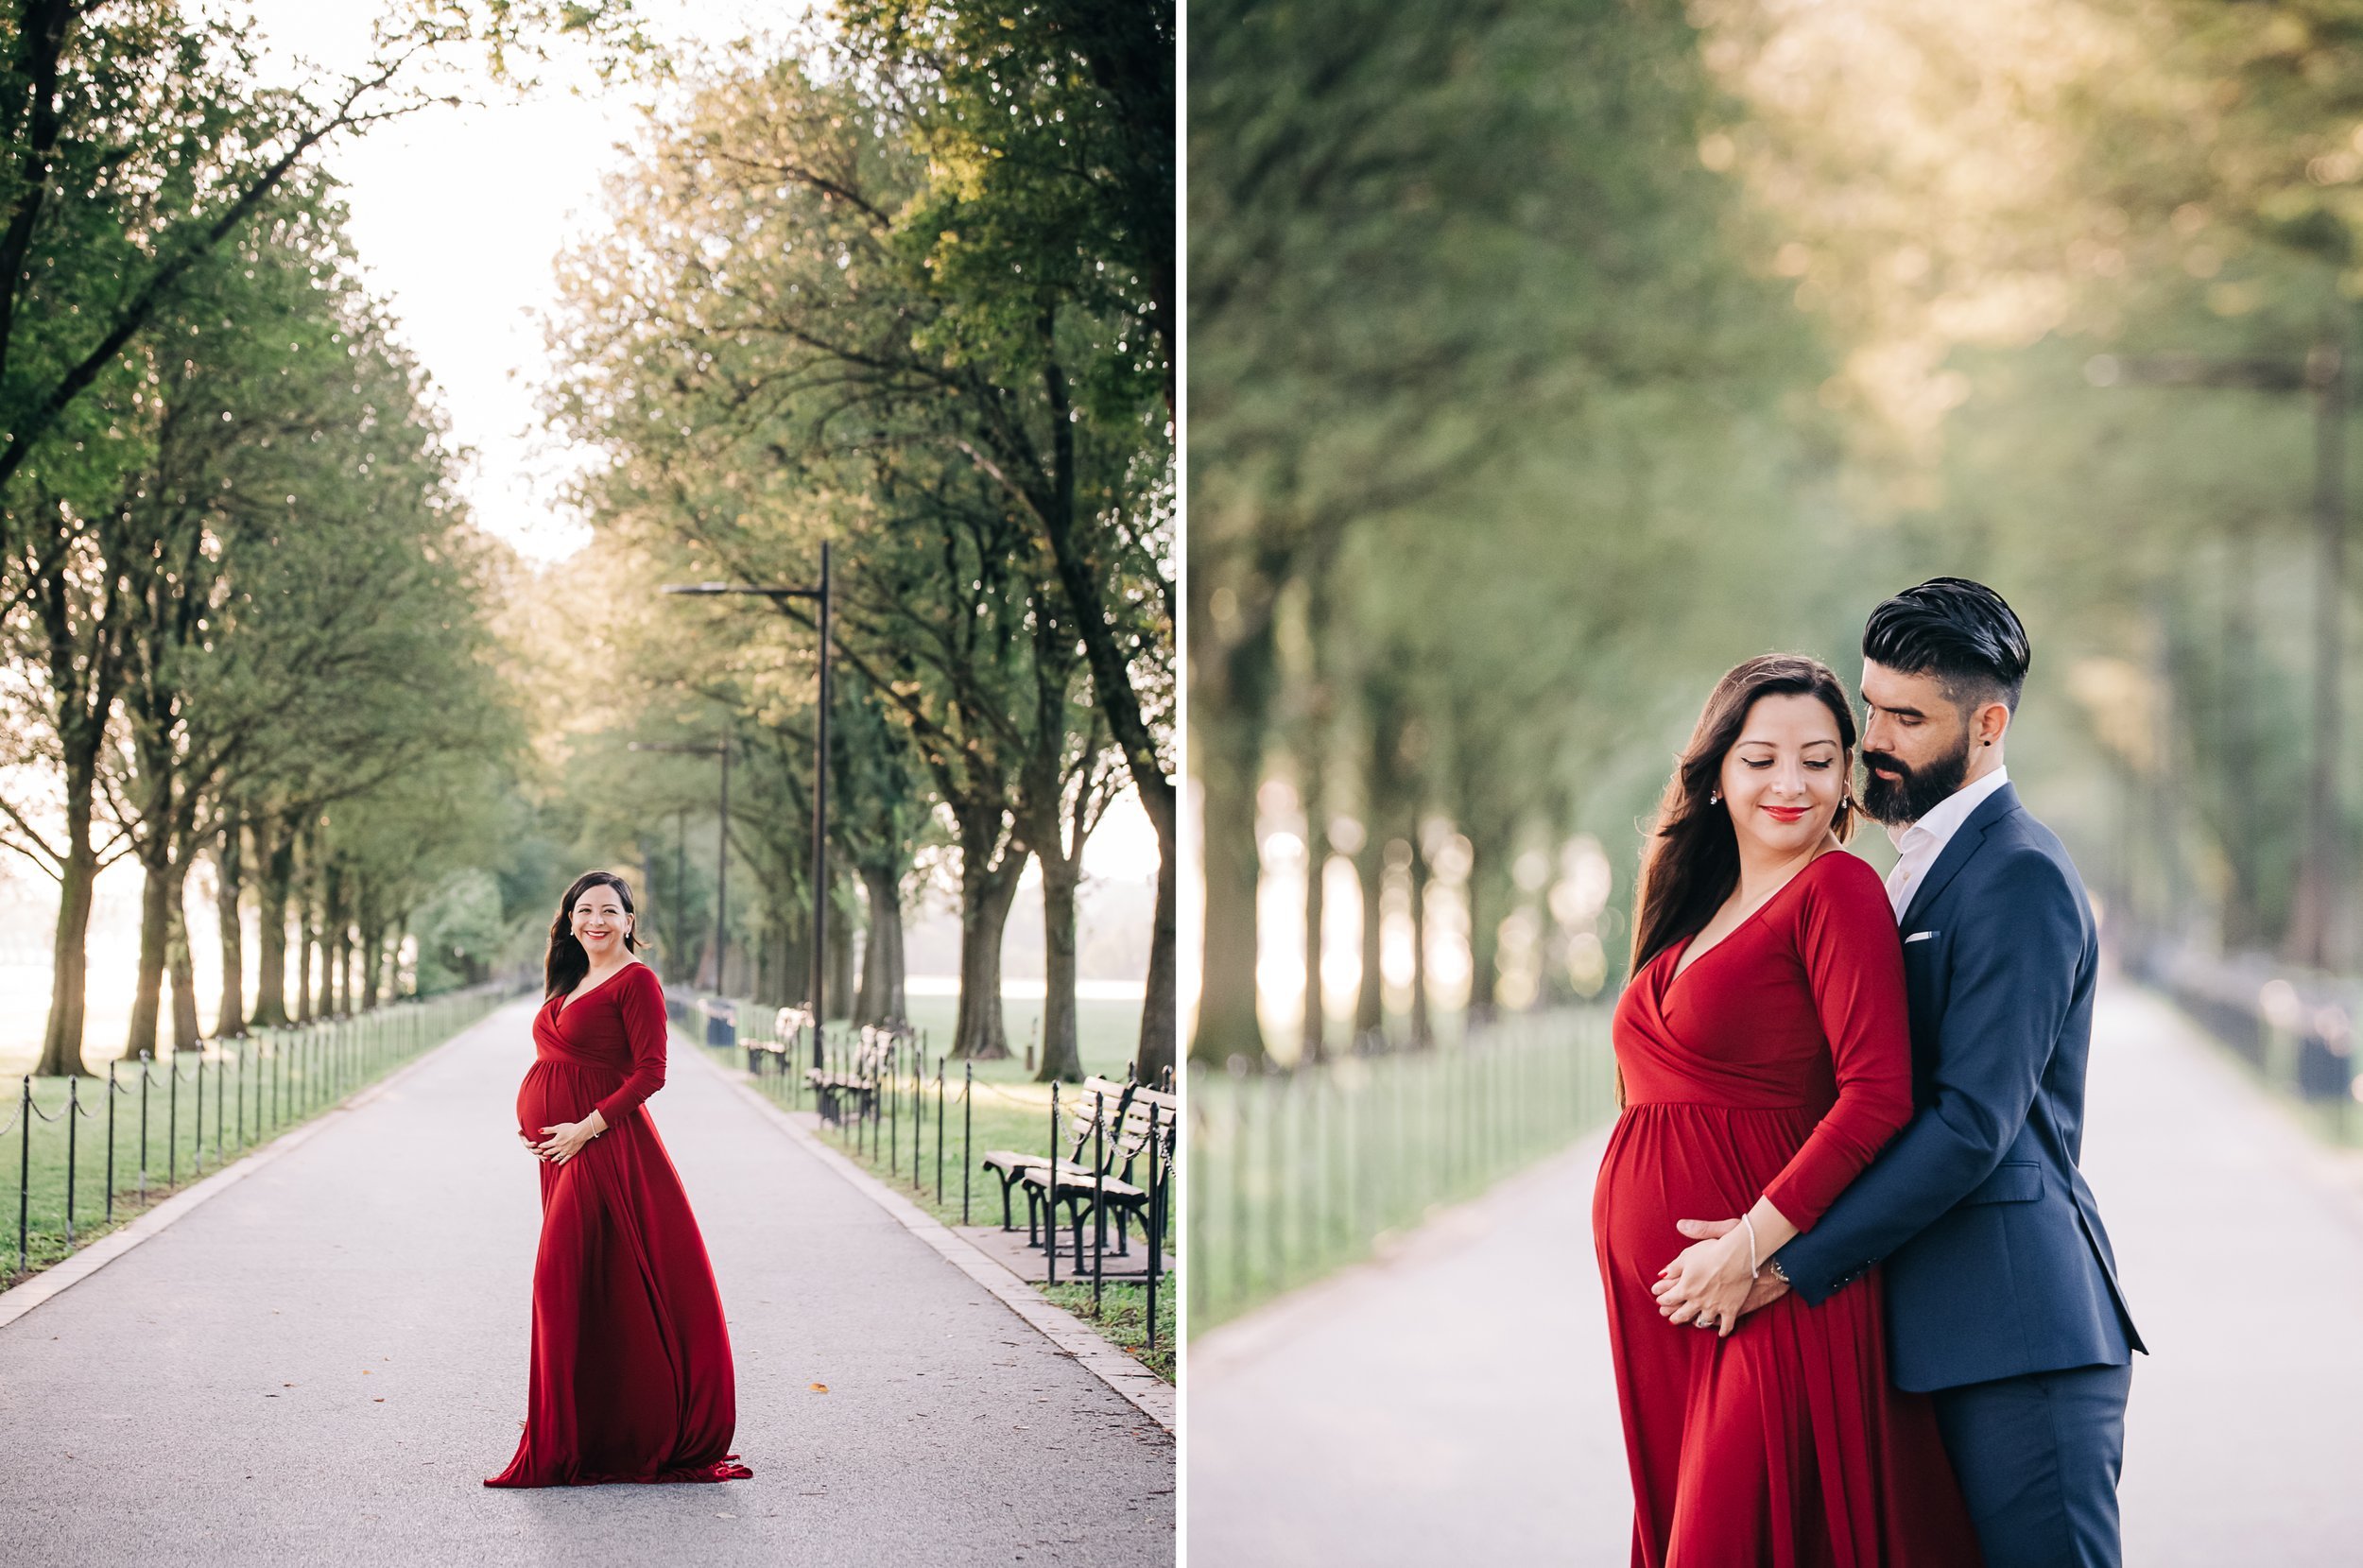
(1900, 802)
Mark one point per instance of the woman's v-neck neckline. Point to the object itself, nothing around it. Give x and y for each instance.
(566, 1003)
(1681, 969)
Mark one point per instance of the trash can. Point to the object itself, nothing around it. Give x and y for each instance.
(721, 1022)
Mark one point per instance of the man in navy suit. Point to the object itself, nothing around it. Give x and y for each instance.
(2001, 1289)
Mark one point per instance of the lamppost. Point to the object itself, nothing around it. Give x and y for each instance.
(2323, 374)
(722, 848)
(819, 771)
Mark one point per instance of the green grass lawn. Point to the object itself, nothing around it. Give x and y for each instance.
(1001, 1109)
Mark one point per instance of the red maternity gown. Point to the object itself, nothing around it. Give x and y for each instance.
(631, 1377)
(1774, 1066)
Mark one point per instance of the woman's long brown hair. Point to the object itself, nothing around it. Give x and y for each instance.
(568, 962)
(1691, 862)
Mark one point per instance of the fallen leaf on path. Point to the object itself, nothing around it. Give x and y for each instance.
(378, 1401)
(819, 1387)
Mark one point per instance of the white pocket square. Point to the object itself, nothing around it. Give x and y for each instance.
(1918, 937)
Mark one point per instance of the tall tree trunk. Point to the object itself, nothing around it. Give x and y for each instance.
(369, 936)
(333, 937)
(393, 957)
(1062, 1046)
(768, 963)
(1485, 919)
(1422, 1025)
(796, 958)
(307, 922)
(1227, 726)
(182, 967)
(979, 1029)
(155, 926)
(229, 871)
(882, 973)
(1369, 1002)
(841, 975)
(1313, 1045)
(274, 846)
(1082, 578)
(372, 955)
(62, 1037)
(1161, 992)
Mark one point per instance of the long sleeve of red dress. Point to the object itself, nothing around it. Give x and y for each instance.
(1853, 962)
(640, 998)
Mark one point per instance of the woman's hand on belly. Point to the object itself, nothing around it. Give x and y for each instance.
(1717, 1280)
(567, 1139)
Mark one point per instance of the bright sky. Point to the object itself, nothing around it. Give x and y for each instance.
(459, 214)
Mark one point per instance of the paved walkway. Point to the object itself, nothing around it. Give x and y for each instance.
(323, 1362)
(1454, 1402)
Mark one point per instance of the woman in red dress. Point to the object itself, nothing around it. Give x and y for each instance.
(630, 1378)
(1763, 1058)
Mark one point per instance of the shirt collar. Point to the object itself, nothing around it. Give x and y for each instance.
(1943, 822)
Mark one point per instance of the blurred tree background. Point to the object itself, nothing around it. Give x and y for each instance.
(1548, 357)
(899, 284)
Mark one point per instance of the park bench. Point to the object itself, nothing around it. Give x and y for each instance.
(1011, 1165)
(1135, 1132)
(871, 1064)
(787, 1028)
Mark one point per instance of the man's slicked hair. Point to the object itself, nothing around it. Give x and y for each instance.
(1957, 630)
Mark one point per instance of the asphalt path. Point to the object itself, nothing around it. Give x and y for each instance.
(323, 1362)
(1454, 1402)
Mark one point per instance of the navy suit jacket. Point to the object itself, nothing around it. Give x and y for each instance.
(1995, 1260)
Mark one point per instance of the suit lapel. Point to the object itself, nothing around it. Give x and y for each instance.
(1958, 850)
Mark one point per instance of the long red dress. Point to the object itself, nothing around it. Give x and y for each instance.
(630, 1378)
(1774, 1066)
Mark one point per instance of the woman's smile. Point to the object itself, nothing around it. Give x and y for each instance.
(1785, 814)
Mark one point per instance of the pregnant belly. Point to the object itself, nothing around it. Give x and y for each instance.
(555, 1092)
(1669, 1162)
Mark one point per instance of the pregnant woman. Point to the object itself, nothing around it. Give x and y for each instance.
(1763, 1057)
(630, 1378)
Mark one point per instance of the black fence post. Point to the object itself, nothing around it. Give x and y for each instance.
(172, 1125)
(967, 1125)
(938, 1125)
(1099, 1193)
(1156, 1241)
(72, 1115)
(24, 1169)
(110, 1142)
(147, 1082)
(1050, 1195)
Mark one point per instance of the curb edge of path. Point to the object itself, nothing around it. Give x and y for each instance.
(1141, 1389)
(63, 1276)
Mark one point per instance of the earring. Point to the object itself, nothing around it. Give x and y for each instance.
(1714, 796)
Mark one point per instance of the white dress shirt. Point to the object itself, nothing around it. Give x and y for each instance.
(1918, 845)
